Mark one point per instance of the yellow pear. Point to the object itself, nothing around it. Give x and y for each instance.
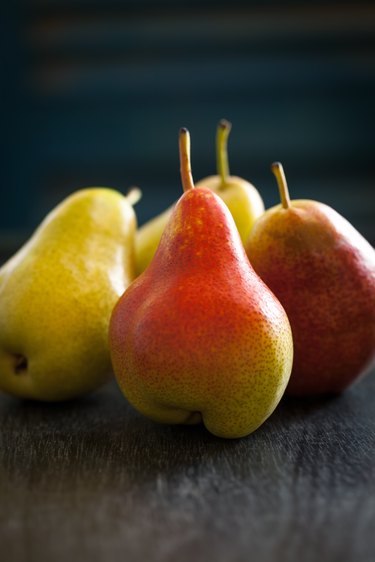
(57, 293)
(240, 196)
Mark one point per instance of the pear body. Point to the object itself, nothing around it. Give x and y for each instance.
(242, 199)
(198, 336)
(147, 239)
(57, 294)
(240, 196)
(323, 272)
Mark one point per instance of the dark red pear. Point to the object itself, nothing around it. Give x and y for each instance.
(323, 272)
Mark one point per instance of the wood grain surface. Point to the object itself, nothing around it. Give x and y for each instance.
(94, 481)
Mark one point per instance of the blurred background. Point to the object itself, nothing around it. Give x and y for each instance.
(94, 92)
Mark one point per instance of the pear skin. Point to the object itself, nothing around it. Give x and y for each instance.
(323, 272)
(198, 336)
(147, 239)
(241, 197)
(57, 294)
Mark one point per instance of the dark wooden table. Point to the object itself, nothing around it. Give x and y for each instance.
(92, 481)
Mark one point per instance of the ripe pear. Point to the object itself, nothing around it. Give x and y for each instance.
(198, 336)
(323, 272)
(57, 294)
(241, 197)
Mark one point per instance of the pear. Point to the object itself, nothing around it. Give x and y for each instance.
(241, 197)
(198, 336)
(57, 293)
(323, 272)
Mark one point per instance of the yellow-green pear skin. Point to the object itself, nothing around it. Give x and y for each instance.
(57, 294)
(147, 239)
(241, 197)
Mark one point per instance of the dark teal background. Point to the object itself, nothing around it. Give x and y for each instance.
(94, 92)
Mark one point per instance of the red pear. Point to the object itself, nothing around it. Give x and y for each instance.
(198, 336)
(323, 272)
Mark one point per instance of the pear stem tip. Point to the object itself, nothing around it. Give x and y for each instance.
(133, 195)
(222, 164)
(278, 171)
(225, 124)
(185, 161)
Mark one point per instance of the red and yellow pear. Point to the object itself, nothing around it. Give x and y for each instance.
(198, 337)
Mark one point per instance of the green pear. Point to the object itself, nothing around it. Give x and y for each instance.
(241, 197)
(198, 337)
(57, 293)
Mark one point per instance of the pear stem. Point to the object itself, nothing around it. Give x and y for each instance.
(133, 195)
(185, 162)
(222, 135)
(278, 171)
